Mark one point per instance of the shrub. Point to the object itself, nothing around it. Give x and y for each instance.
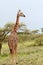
(39, 41)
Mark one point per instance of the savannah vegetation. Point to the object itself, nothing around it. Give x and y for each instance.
(30, 45)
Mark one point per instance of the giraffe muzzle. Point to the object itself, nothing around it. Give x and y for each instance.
(24, 16)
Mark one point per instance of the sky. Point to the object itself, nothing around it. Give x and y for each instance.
(33, 10)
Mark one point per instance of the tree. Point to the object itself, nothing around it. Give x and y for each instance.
(35, 31)
(6, 30)
(3, 33)
(42, 30)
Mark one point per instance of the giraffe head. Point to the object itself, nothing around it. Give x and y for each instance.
(21, 14)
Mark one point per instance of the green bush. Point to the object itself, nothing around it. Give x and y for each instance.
(39, 41)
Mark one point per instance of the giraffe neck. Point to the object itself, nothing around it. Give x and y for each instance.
(16, 24)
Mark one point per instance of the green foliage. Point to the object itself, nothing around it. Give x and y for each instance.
(34, 31)
(25, 55)
(42, 30)
(0, 47)
(39, 41)
(24, 37)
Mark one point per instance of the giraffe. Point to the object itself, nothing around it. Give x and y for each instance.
(13, 38)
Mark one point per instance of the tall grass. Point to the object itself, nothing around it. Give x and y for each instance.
(26, 54)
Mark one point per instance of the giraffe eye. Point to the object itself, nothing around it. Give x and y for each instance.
(21, 13)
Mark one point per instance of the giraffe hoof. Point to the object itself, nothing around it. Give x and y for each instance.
(16, 62)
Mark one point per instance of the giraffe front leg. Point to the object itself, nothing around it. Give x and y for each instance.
(13, 58)
(16, 55)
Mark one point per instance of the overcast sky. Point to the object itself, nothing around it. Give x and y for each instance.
(33, 9)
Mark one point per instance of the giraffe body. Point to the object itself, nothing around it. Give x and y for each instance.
(13, 42)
